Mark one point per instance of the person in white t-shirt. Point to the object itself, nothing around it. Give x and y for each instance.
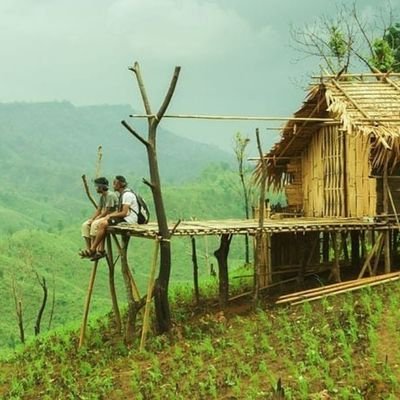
(128, 210)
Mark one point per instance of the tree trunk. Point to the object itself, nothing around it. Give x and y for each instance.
(221, 255)
(111, 282)
(42, 283)
(132, 307)
(161, 284)
(195, 271)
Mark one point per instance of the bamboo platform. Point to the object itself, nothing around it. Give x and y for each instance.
(251, 226)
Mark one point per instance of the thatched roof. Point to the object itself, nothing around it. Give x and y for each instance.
(366, 104)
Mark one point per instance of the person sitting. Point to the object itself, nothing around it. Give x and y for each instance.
(128, 210)
(108, 202)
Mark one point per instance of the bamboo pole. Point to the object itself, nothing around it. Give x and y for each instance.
(98, 163)
(361, 75)
(349, 289)
(150, 288)
(87, 304)
(334, 286)
(336, 264)
(234, 117)
(111, 280)
(386, 248)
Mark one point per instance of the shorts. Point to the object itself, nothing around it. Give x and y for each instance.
(91, 229)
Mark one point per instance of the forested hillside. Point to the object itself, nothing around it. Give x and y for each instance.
(45, 150)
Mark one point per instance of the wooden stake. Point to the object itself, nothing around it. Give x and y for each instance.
(367, 262)
(150, 288)
(98, 163)
(111, 281)
(87, 191)
(195, 271)
(87, 304)
(386, 212)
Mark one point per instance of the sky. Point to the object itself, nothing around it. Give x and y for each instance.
(236, 57)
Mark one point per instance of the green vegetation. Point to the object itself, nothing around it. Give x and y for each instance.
(343, 348)
(45, 150)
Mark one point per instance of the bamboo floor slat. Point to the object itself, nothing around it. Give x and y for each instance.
(250, 227)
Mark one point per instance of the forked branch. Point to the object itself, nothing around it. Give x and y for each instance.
(146, 102)
(169, 94)
(134, 133)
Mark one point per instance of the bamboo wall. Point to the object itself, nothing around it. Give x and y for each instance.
(312, 177)
(335, 171)
(294, 191)
(361, 189)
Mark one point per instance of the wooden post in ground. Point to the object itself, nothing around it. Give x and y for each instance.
(221, 255)
(325, 247)
(87, 304)
(195, 271)
(150, 288)
(355, 249)
(135, 290)
(386, 212)
(262, 267)
(111, 281)
(336, 265)
(132, 304)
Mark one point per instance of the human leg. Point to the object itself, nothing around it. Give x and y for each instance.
(85, 229)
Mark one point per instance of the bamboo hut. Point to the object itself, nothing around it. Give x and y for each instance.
(344, 167)
(336, 168)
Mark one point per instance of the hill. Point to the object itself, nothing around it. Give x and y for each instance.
(343, 347)
(52, 144)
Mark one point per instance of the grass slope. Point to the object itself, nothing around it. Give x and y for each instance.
(345, 347)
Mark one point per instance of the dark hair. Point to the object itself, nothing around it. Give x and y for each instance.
(101, 181)
(121, 179)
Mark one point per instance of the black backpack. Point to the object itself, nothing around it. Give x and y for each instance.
(144, 213)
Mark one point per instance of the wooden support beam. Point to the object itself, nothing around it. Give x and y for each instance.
(221, 254)
(367, 262)
(150, 288)
(87, 304)
(195, 271)
(336, 263)
(111, 281)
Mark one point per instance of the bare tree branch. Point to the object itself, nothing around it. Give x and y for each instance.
(169, 94)
(42, 283)
(139, 78)
(86, 186)
(134, 133)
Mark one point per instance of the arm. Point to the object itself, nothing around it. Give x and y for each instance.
(123, 213)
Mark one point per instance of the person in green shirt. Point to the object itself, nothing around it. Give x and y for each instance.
(108, 203)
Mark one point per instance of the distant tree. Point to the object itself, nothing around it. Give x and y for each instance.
(348, 39)
(18, 310)
(240, 146)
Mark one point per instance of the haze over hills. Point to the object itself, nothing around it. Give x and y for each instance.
(57, 136)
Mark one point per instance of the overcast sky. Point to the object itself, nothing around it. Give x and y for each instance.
(235, 56)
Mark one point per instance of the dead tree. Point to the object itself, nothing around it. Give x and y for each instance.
(18, 311)
(43, 285)
(162, 309)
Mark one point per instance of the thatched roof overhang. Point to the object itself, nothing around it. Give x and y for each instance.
(360, 105)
